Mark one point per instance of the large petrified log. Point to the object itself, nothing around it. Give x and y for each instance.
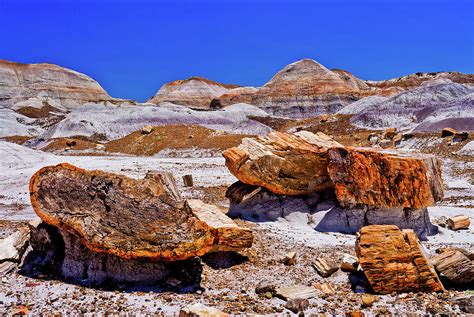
(393, 260)
(287, 164)
(385, 178)
(129, 218)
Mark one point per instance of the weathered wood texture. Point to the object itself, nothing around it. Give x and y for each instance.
(455, 266)
(393, 261)
(287, 164)
(117, 215)
(459, 222)
(385, 178)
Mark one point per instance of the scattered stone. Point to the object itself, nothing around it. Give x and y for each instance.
(139, 219)
(465, 303)
(188, 180)
(349, 263)
(289, 258)
(200, 310)
(368, 300)
(265, 286)
(393, 261)
(442, 221)
(297, 305)
(390, 133)
(297, 291)
(459, 222)
(325, 288)
(324, 118)
(147, 129)
(455, 266)
(325, 267)
(385, 178)
(286, 164)
(386, 143)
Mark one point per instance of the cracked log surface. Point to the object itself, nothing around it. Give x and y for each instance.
(393, 261)
(117, 215)
(286, 164)
(385, 178)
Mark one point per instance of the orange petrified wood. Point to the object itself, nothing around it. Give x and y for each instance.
(385, 178)
(128, 218)
(393, 260)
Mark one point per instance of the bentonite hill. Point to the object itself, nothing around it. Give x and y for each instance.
(317, 193)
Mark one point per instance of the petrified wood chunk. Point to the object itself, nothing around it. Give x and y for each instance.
(287, 164)
(114, 214)
(385, 178)
(228, 235)
(455, 266)
(459, 222)
(325, 267)
(393, 260)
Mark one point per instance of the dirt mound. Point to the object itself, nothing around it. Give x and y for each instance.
(173, 137)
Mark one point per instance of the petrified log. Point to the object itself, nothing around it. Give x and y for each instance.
(287, 164)
(117, 215)
(459, 222)
(393, 260)
(455, 266)
(385, 178)
(188, 180)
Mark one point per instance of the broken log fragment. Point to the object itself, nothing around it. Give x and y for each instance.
(117, 215)
(455, 266)
(385, 178)
(393, 261)
(325, 267)
(286, 164)
(459, 222)
(188, 180)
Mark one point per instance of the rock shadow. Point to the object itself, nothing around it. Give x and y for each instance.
(56, 254)
(223, 260)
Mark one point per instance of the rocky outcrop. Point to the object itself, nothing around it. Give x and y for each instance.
(393, 261)
(128, 218)
(288, 164)
(33, 84)
(195, 92)
(385, 178)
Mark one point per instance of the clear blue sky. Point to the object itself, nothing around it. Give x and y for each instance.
(133, 47)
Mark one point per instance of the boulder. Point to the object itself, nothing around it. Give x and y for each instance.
(287, 164)
(393, 261)
(448, 132)
(128, 218)
(455, 266)
(385, 178)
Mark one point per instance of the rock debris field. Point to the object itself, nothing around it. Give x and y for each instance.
(317, 193)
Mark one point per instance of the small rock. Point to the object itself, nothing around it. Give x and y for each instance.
(200, 310)
(385, 144)
(147, 129)
(390, 133)
(188, 180)
(325, 288)
(465, 303)
(324, 118)
(368, 300)
(397, 139)
(289, 259)
(349, 263)
(448, 132)
(459, 222)
(265, 286)
(325, 267)
(297, 305)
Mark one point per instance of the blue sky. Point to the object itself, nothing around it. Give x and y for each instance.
(133, 47)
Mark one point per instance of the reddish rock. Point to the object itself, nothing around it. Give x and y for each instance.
(393, 261)
(129, 218)
(287, 164)
(385, 178)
